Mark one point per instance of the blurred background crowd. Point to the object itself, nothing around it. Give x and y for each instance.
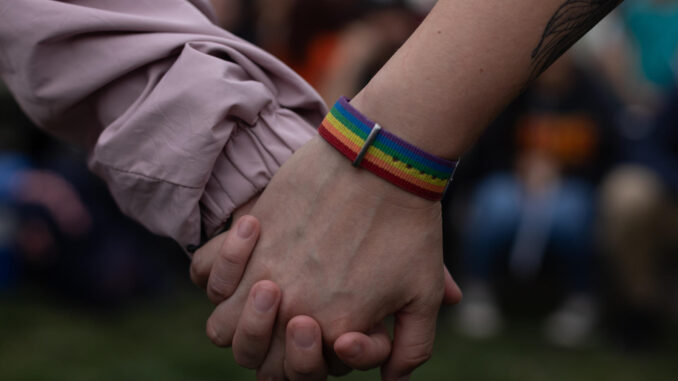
(563, 219)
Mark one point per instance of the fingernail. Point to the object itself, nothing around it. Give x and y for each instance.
(245, 228)
(354, 350)
(264, 300)
(304, 337)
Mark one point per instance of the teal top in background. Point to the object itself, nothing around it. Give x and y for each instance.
(653, 25)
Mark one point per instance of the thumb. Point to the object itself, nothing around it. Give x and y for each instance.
(453, 294)
(413, 337)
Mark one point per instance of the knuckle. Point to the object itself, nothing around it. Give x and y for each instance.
(304, 370)
(231, 256)
(251, 335)
(432, 297)
(337, 327)
(217, 291)
(219, 287)
(246, 359)
(197, 276)
(418, 355)
(309, 368)
(215, 335)
(438, 295)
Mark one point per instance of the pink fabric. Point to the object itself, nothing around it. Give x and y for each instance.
(183, 120)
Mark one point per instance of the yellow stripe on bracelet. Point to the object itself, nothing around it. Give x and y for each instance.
(371, 147)
(347, 136)
(377, 157)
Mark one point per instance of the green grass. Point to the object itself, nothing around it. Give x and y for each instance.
(164, 340)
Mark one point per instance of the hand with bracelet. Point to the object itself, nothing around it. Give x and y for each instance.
(295, 247)
(348, 248)
(424, 213)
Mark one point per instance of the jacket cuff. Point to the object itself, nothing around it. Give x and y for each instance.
(250, 159)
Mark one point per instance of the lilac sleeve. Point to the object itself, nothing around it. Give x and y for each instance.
(183, 120)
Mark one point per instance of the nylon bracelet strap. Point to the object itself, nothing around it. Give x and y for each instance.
(369, 146)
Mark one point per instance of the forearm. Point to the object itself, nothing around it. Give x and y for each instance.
(466, 62)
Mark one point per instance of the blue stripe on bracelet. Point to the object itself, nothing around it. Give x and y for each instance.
(389, 140)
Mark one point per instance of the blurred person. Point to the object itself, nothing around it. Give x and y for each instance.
(240, 17)
(72, 240)
(543, 208)
(635, 48)
(638, 49)
(63, 230)
(339, 57)
(14, 143)
(266, 23)
(653, 26)
(639, 231)
(230, 14)
(403, 99)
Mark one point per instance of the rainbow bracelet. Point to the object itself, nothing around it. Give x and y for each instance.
(384, 154)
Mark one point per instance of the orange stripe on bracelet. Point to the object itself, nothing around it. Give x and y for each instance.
(385, 155)
(382, 164)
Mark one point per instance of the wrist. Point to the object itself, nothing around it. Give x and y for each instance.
(398, 110)
(329, 167)
(374, 149)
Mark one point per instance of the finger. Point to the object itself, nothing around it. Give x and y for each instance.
(413, 336)
(273, 367)
(361, 351)
(255, 328)
(453, 293)
(304, 350)
(203, 260)
(230, 264)
(222, 324)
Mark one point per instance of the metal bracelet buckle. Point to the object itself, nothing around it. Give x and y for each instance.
(368, 142)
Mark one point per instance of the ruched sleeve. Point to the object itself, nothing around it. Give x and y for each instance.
(183, 120)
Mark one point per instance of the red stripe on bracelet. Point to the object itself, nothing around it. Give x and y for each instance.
(408, 186)
(384, 154)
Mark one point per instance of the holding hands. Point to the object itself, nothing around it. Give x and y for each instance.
(304, 282)
(338, 251)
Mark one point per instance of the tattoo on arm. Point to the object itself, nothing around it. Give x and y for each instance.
(570, 22)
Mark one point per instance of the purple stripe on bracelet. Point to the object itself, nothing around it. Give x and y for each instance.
(347, 106)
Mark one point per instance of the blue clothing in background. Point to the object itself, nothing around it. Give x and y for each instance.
(11, 165)
(563, 223)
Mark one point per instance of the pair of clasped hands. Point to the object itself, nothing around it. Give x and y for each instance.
(305, 277)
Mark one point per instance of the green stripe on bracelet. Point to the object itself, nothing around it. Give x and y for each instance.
(388, 156)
